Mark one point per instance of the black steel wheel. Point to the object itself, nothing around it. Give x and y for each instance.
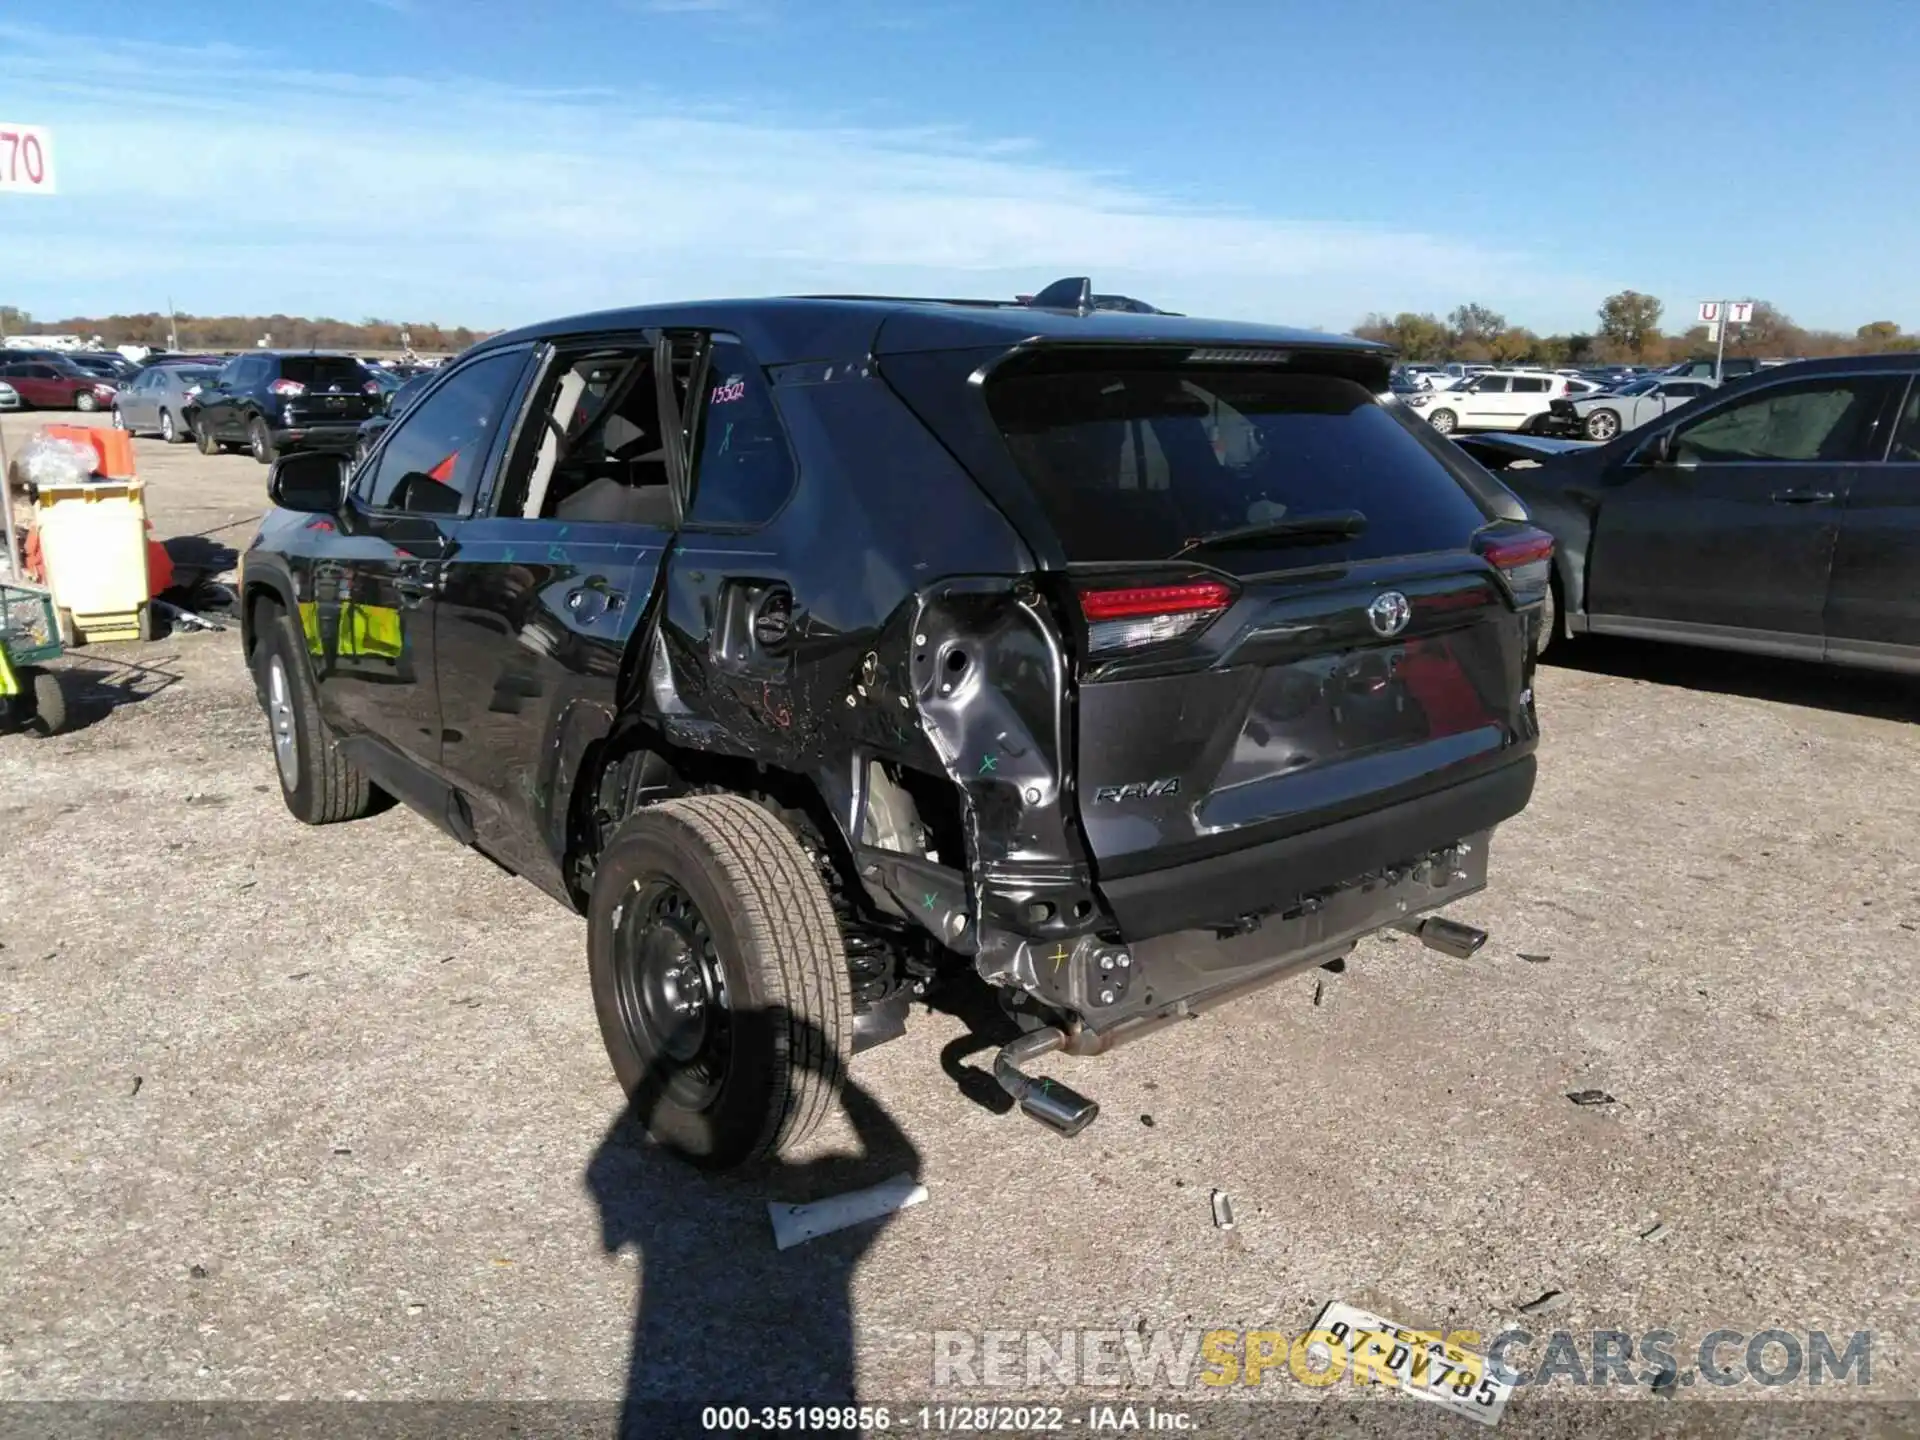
(719, 979)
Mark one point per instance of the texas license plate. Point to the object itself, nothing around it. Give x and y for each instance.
(1423, 1365)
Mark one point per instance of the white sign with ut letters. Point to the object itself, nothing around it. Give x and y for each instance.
(1739, 312)
(1709, 311)
(26, 158)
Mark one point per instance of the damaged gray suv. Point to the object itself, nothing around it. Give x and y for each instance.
(825, 650)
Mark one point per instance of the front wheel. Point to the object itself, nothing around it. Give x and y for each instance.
(260, 442)
(1602, 425)
(719, 978)
(319, 784)
(1443, 421)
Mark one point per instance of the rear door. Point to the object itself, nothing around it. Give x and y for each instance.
(398, 534)
(546, 582)
(1873, 602)
(216, 415)
(1732, 534)
(1527, 396)
(1281, 617)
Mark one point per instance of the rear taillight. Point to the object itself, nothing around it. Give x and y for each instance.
(372, 387)
(1127, 618)
(287, 387)
(1524, 555)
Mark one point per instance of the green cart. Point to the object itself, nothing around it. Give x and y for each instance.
(29, 636)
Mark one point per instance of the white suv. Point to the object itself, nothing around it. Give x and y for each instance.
(1496, 400)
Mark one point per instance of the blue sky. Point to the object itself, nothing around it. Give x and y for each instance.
(489, 164)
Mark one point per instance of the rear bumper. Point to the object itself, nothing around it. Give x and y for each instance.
(317, 437)
(1203, 894)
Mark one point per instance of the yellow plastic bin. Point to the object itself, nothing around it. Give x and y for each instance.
(93, 542)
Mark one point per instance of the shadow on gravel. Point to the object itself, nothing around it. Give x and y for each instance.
(96, 686)
(1722, 672)
(724, 1318)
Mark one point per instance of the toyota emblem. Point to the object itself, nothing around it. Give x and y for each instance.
(1389, 613)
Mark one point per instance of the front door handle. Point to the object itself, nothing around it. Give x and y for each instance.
(1803, 497)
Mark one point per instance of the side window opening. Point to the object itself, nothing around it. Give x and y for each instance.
(599, 453)
(1814, 420)
(432, 461)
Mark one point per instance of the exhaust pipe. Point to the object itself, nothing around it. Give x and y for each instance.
(1054, 1105)
(1449, 937)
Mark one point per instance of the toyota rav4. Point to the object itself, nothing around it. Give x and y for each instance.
(820, 648)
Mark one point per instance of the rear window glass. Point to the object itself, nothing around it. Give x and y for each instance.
(1132, 464)
(317, 372)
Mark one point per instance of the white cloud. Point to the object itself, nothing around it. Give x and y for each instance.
(235, 183)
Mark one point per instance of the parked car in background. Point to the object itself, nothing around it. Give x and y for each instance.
(273, 401)
(1606, 413)
(1778, 515)
(372, 428)
(1455, 373)
(1495, 400)
(104, 363)
(1734, 367)
(9, 397)
(55, 385)
(158, 397)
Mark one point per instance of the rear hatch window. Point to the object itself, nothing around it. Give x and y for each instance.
(324, 372)
(1139, 461)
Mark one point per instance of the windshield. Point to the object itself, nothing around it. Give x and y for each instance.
(1135, 463)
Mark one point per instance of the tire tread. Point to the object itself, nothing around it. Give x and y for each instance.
(795, 949)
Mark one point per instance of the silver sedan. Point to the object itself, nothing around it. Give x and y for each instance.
(1601, 417)
(155, 400)
(9, 397)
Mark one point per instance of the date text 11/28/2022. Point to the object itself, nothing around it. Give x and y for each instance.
(937, 1419)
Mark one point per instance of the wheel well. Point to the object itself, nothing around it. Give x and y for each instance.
(258, 606)
(632, 768)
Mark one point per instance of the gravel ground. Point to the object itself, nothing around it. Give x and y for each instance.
(321, 1114)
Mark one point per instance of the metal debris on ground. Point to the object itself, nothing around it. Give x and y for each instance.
(1222, 1211)
(797, 1224)
(137, 1083)
(181, 618)
(1658, 1232)
(1548, 1302)
(1147, 1120)
(1319, 989)
(1591, 1097)
(1535, 959)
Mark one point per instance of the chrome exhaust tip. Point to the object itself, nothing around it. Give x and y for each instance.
(1060, 1108)
(1449, 937)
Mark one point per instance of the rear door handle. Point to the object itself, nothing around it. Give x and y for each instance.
(1803, 497)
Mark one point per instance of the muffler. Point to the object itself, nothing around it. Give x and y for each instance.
(1449, 937)
(1056, 1106)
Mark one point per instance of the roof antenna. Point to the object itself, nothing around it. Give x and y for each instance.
(1075, 294)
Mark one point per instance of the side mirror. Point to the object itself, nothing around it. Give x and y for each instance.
(312, 482)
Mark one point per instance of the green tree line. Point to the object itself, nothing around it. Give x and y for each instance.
(243, 332)
(1628, 332)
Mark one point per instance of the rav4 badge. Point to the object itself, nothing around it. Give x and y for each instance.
(1137, 790)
